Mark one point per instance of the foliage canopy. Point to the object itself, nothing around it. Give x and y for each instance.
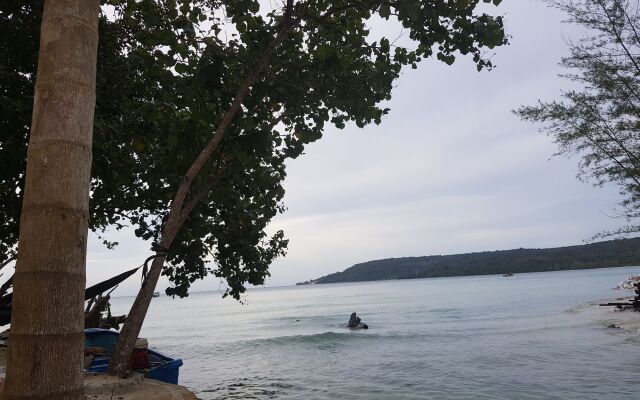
(167, 72)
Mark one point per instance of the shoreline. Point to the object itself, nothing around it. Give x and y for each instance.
(627, 320)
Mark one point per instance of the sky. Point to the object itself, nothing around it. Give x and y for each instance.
(450, 170)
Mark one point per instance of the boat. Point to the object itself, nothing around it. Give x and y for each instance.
(156, 294)
(162, 367)
(507, 274)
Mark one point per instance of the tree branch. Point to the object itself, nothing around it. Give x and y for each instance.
(202, 192)
(618, 36)
(612, 157)
(609, 132)
(7, 262)
(227, 118)
(632, 25)
(5, 286)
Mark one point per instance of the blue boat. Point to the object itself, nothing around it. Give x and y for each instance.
(163, 368)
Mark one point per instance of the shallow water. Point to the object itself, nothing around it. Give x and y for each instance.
(532, 336)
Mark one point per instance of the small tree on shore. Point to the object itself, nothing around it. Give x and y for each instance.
(600, 122)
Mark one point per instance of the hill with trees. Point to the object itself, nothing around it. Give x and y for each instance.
(606, 254)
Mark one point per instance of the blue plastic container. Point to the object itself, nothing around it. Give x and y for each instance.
(163, 368)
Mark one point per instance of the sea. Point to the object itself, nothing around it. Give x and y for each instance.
(530, 336)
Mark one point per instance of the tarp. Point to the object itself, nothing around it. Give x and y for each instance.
(90, 292)
(102, 287)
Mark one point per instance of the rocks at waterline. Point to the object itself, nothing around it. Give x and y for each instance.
(629, 283)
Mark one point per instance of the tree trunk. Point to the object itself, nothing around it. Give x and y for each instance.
(119, 364)
(45, 355)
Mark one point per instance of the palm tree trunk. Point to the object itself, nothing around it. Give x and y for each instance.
(44, 359)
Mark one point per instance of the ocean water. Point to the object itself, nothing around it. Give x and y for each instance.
(532, 336)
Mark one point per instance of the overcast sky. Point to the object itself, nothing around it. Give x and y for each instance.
(449, 170)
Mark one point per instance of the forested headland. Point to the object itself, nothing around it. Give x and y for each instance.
(606, 254)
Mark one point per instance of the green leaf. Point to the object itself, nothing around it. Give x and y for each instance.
(181, 68)
(384, 11)
(384, 45)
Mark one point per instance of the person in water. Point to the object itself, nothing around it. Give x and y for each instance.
(353, 321)
(356, 323)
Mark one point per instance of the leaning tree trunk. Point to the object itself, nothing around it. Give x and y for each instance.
(46, 341)
(181, 207)
(119, 364)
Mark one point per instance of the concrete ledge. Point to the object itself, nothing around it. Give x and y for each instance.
(100, 384)
(104, 387)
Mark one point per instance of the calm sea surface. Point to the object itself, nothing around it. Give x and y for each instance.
(532, 336)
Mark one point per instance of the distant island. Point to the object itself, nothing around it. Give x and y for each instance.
(607, 254)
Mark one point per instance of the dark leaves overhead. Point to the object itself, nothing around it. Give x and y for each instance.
(167, 71)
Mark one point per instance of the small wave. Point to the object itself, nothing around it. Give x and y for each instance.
(584, 306)
(317, 338)
(443, 310)
(255, 387)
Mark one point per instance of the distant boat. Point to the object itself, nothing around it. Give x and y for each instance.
(161, 367)
(507, 274)
(156, 294)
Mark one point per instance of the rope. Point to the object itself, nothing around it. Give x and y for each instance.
(160, 252)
